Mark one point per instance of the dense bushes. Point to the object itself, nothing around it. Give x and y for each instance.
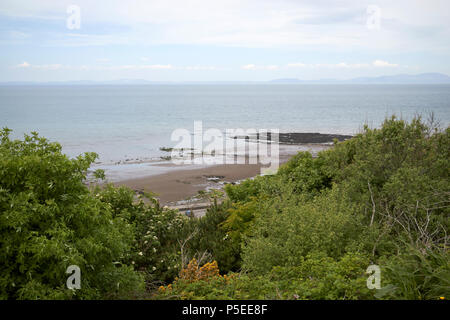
(122, 243)
(207, 239)
(383, 194)
(49, 220)
(415, 274)
(291, 228)
(381, 197)
(308, 232)
(156, 232)
(316, 277)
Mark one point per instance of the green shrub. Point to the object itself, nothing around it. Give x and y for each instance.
(157, 232)
(378, 194)
(305, 174)
(308, 232)
(209, 238)
(49, 220)
(290, 228)
(416, 274)
(317, 277)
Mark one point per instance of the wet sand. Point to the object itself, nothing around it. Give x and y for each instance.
(182, 184)
(175, 186)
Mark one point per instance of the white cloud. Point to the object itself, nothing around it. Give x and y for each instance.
(159, 66)
(405, 24)
(128, 67)
(116, 67)
(24, 65)
(325, 65)
(50, 66)
(55, 66)
(270, 67)
(200, 68)
(42, 66)
(149, 66)
(297, 65)
(260, 67)
(381, 63)
(351, 65)
(344, 65)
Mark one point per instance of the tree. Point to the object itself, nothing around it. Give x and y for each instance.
(49, 220)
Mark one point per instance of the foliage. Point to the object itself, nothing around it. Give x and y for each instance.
(156, 231)
(308, 232)
(49, 220)
(305, 174)
(399, 174)
(194, 273)
(209, 240)
(383, 194)
(417, 274)
(194, 281)
(319, 277)
(289, 229)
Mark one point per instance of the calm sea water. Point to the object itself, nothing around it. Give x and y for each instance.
(121, 122)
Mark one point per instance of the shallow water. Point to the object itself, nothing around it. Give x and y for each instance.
(132, 122)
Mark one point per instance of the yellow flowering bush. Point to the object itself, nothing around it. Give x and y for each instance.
(195, 281)
(195, 273)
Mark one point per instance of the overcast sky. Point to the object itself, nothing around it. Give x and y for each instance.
(174, 40)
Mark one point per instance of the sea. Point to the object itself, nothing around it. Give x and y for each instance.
(128, 125)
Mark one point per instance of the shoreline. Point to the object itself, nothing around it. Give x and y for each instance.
(181, 186)
(176, 186)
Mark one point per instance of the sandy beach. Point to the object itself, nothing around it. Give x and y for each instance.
(182, 184)
(175, 186)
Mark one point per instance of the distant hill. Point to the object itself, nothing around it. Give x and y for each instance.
(81, 82)
(406, 78)
(423, 78)
(118, 82)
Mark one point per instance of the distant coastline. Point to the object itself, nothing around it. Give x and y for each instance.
(423, 78)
